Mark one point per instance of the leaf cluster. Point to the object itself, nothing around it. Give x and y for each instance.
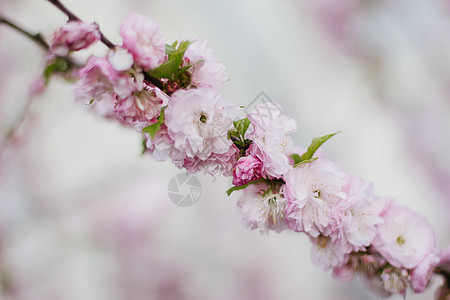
(172, 69)
(237, 135)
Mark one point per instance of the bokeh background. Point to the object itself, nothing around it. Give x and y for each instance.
(83, 215)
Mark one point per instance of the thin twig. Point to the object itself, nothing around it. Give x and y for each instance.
(37, 37)
(156, 82)
(72, 17)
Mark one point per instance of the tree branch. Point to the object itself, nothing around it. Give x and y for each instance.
(441, 270)
(156, 82)
(37, 37)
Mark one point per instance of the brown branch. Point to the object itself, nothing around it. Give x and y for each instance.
(441, 270)
(37, 37)
(155, 81)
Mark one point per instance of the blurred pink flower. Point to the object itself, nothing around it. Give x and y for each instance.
(162, 147)
(142, 38)
(423, 272)
(357, 215)
(140, 104)
(344, 273)
(37, 87)
(394, 281)
(96, 80)
(262, 208)
(216, 162)
(120, 59)
(326, 254)
(405, 238)
(207, 71)
(73, 36)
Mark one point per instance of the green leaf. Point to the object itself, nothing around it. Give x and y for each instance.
(237, 188)
(171, 48)
(246, 122)
(166, 70)
(315, 144)
(144, 146)
(242, 126)
(170, 69)
(154, 128)
(182, 47)
(59, 64)
(296, 158)
(305, 161)
(179, 52)
(184, 69)
(233, 132)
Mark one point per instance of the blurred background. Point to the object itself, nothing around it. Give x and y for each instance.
(83, 215)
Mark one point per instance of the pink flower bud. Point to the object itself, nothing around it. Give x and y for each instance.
(73, 36)
(248, 168)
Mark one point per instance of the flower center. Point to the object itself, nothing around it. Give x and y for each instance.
(316, 194)
(322, 242)
(203, 117)
(400, 240)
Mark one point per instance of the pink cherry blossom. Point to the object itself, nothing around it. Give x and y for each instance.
(142, 38)
(248, 168)
(395, 281)
(357, 215)
(271, 140)
(344, 273)
(120, 59)
(198, 121)
(73, 36)
(139, 104)
(262, 208)
(96, 81)
(206, 71)
(405, 238)
(313, 190)
(216, 162)
(326, 254)
(162, 147)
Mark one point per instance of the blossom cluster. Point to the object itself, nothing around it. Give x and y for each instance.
(352, 230)
(171, 93)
